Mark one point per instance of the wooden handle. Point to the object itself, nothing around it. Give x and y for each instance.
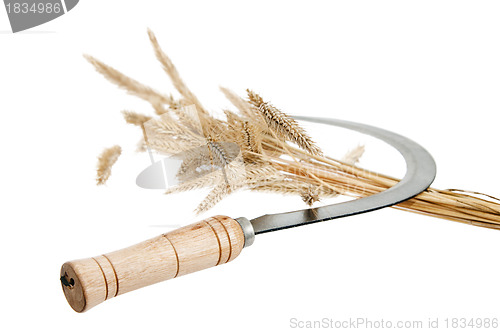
(213, 241)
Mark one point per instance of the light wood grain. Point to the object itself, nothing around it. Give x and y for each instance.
(213, 241)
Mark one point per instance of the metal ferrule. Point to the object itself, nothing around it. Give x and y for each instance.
(248, 231)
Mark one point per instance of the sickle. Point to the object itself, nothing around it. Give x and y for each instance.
(218, 240)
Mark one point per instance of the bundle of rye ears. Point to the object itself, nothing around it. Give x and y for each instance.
(273, 153)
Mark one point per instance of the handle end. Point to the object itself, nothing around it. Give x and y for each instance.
(83, 284)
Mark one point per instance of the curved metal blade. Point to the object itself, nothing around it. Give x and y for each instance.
(420, 172)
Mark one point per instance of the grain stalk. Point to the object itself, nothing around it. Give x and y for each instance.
(276, 154)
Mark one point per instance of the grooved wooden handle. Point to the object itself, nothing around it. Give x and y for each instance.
(213, 241)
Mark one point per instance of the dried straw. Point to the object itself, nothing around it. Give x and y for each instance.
(277, 154)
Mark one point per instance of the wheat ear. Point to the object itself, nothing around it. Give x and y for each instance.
(132, 86)
(172, 72)
(352, 156)
(282, 124)
(135, 118)
(105, 162)
(242, 105)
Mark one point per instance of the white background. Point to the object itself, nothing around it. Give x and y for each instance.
(427, 69)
